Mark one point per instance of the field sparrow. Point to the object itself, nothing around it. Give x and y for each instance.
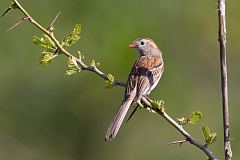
(143, 78)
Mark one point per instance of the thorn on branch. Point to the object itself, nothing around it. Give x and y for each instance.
(13, 6)
(56, 51)
(180, 142)
(50, 27)
(6, 11)
(18, 23)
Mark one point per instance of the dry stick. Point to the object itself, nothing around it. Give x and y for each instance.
(94, 69)
(224, 85)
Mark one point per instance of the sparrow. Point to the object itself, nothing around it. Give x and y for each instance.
(143, 78)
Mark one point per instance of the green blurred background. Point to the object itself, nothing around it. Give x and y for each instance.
(45, 115)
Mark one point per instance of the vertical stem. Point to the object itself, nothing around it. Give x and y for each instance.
(224, 85)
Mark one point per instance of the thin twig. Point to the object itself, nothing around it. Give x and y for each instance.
(18, 23)
(188, 137)
(224, 85)
(180, 142)
(94, 69)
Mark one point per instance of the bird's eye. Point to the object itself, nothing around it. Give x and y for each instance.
(142, 43)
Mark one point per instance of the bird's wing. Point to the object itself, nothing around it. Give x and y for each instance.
(142, 75)
(155, 73)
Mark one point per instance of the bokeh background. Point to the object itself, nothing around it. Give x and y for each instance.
(47, 115)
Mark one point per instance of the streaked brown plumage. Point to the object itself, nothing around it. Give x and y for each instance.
(143, 78)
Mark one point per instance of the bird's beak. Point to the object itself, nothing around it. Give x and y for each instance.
(132, 45)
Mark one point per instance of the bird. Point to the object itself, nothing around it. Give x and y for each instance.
(143, 78)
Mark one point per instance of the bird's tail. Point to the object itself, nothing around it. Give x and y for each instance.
(117, 120)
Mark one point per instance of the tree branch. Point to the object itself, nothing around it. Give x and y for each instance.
(188, 137)
(223, 63)
(94, 69)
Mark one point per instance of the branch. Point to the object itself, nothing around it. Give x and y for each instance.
(147, 101)
(188, 137)
(223, 62)
(63, 50)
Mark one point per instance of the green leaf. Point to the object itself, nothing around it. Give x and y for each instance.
(70, 72)
(110, 81)
(182, 121)
(110, 78)
(195, 117)
(45, 42)
(47, 57)
(208, 136)
(72, 67)
(158, 105)
(213, 137)
(109, 86)
(72, 37)
(93, 63)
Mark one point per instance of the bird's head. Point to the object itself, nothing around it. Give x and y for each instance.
(145, 47)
